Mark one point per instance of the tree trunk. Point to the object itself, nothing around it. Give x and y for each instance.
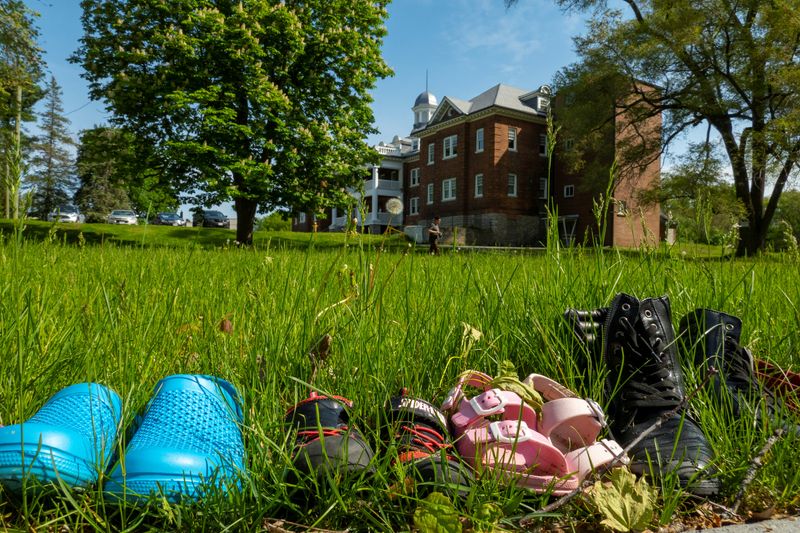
(246, 214)
(18, 154)
(752, 238)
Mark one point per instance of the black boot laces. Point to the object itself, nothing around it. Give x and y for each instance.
(651, 383)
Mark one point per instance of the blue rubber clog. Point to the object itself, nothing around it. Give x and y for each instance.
(188, 442)
(71, 439)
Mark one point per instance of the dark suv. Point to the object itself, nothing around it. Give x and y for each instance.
(210, 219)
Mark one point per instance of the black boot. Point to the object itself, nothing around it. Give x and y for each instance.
(714, 338)
(646, 382)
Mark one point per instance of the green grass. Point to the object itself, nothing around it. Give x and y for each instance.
(126, 316)
(151, 236)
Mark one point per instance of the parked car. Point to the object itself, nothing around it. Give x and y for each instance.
(66, 213)
(169, 219)
(210, 219)
(122, 216)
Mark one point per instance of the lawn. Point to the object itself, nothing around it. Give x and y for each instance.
(147, 304)
(150, 236)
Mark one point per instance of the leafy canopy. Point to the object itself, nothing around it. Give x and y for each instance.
(264, 102)
(733, 66)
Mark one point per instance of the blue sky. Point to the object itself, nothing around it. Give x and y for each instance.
(466, 46)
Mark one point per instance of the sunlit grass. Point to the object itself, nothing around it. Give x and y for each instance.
(126, 316)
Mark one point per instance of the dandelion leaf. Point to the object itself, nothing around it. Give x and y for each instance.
(625, 503)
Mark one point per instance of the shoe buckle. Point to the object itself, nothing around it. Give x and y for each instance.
(452, 398)
(479, 409)
(502, 431)
(597, 411)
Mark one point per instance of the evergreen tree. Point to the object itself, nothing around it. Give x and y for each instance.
(104, 154)
(53, 171)
(20, 75)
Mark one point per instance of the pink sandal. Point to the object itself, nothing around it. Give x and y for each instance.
(554, 451)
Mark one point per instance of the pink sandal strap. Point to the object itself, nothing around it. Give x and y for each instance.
(571, 422)
(488, 403)
(470, 378)
(591, 458)
(513, 446)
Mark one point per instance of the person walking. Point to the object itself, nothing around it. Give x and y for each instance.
(433, 236)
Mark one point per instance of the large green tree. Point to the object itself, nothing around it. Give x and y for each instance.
(696, 196)
(734, 66)
(115, 172)
(52, 175)
(20, 74)
(265, 102)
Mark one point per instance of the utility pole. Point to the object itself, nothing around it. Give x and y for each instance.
(18, 154)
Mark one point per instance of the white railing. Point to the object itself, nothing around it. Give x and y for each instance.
(388, 150)
(387, 185)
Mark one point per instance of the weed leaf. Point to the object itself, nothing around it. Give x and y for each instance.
(436, 514)
(625, 503)
(507, 379)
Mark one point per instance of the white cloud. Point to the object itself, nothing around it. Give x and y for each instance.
(513, 38)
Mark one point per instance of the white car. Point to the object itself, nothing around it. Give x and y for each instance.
(122, 217)
(66, 213)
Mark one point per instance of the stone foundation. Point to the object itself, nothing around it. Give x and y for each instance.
(491, 229)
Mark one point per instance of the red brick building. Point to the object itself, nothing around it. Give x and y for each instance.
(482, 166)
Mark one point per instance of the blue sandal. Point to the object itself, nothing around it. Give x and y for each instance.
(70, 439)
(188, 443)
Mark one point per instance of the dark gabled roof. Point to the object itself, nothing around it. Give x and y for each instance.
(502, 96)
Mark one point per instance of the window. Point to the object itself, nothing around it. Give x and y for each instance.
(543, 145)
(431, 146)
(301, 219)
(512, 185)
(478, 185)
(413, 206)
(622, 208)
(448, 189)
(512, 139)
(569, 191)
(569, 144)
(430, 193)
(543, 189)
(450, 147)
(414, 177)
(479, 140)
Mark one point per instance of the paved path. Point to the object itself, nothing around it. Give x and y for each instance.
(783, 525)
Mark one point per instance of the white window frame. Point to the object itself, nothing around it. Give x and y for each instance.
(431, 153)
(430, 195)
(513, 138)
(543, 144)
(544, 188)
(478, 185)
(479, 140)
(569, 191)
(301, 218)
(450, 147)
(512, 186)
(413, 205)
(414, 177)
(448, 190)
